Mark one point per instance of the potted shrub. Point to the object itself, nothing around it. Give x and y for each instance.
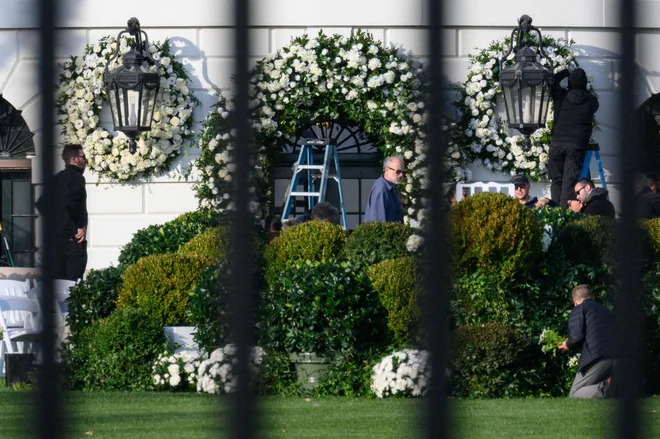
(316, 309)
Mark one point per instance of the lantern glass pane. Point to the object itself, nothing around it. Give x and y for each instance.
(112, 96)
(148, 101)
(544, 98)
(529, 104)
(133, 100)
(513, 108)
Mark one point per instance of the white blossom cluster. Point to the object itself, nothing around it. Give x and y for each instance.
(403, 373)
(480, 132)
(176, 371)
(414, 243)
(376, 87)
(216, 374)
(81, 96)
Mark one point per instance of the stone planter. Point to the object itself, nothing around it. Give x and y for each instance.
(310, 367)
(182, 336)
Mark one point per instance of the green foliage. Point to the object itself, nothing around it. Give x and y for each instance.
(587, 241)
(310, 241)
(348, 375)
(321, 307)
(494, 232)
(93, 298)
(395, 281)
(168, 237)
(277, 376)
(651, 238)
(376, 241)
(115, 353)
(160, 286)
(555, 218)
(485, 359)
(210, 245)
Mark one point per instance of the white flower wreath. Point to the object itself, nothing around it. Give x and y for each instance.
(481, 135)
(354, 79)
(80, 99)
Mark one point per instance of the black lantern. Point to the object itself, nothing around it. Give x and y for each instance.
(132, 88)
(526, 82)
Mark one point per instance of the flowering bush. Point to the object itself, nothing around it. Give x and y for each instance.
(352, 80)
(81, 96)
(549, 339)
(480, 134)
(176, 371)
(216, 375)
(403, 373)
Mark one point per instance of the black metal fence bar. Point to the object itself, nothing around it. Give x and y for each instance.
(48, 396)
(242, 283)
(628, 378)
(437, 284)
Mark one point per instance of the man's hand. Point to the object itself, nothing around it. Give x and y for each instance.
(82, 234)
(562, 346)
(575, 205)
(542, 202)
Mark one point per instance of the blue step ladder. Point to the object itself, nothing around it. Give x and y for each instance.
(305, 165)
(594, 150)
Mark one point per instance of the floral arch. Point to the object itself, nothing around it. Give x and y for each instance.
(354, 80)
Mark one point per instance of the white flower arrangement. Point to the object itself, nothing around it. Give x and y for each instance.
(403, 373)
(177, 371)
(414, 243)
(80, 99)
(216, 374)
(481, 134)
(351, 79)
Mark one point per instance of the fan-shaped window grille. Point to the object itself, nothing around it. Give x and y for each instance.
(15, 136)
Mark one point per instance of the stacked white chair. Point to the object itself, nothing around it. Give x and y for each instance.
(17, 335)
(464, 190)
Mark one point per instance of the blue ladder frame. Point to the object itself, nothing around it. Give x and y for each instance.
(306, 164)
(587, 162)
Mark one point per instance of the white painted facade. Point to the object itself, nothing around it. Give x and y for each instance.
(201, 35)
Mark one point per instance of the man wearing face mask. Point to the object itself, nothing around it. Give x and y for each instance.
(384, 202)
(70, 215)
(572, 127)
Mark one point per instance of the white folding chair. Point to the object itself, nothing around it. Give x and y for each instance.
(16, 338)
(61, 291)
(464, 190)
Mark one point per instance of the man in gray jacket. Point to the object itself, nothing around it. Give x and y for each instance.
(591, 327)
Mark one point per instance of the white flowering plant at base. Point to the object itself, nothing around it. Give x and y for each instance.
(216, 374)
(480, 135)
(548, 340)
(353, 80)
(80, 98)
(403, 373)
(176, 372)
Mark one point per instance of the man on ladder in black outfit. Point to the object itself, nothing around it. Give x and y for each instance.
(571, 131)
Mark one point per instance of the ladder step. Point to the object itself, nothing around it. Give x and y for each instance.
(319, 167)
(305, 194)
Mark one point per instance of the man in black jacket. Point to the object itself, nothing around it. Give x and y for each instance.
(648, 202)
(571, 130)
(591, 326)
(591, 200)
(70, 214)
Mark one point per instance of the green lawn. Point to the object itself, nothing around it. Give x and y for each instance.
(166, 415)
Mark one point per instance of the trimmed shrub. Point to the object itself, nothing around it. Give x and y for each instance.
(587, 241)
(395, 281)
(93, 298)
(376, 241)
(115, 353)
(160, 286)
(323, 307)
(310, 241)
(210, 245)
(651, 238)
(494, 232)
(485, 359)
(168, 237)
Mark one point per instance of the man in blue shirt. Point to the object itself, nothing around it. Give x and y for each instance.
(384, 202)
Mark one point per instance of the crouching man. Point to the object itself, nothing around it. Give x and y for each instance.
(591, 326)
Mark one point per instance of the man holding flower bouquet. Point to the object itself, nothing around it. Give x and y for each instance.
(591, 326)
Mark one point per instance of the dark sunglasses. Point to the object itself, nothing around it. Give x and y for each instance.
(397, 171)
(519, 186)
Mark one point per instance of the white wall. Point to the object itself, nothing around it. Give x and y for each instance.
(200, 31)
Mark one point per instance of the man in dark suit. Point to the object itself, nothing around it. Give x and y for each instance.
(591, 327)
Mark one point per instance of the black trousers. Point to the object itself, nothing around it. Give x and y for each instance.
(565, 162)
(70, 259)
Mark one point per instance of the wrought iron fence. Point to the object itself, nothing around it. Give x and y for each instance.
(49, 399)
